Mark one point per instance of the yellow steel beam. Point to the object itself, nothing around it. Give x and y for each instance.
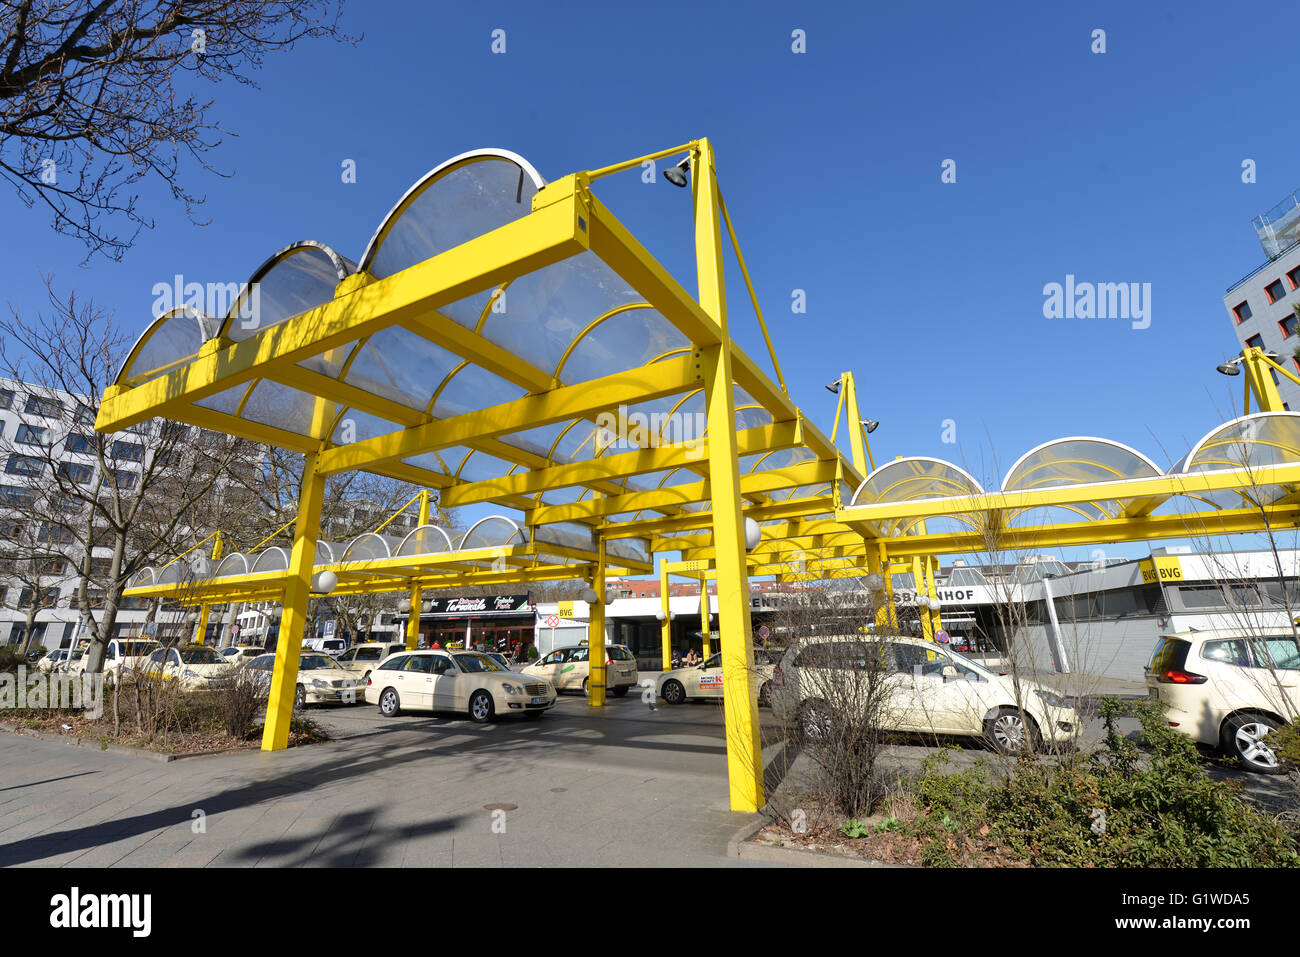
(567, 402)
(740, 705)
(805, 473)
(532, 242)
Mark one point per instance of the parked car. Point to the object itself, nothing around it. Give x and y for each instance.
(466, 681)
(328, 646)
(242, 654)
(567, 669)
(320, 680)
(705, 680)
(361, 659)
(121, 658)
(51, 659)
(931, 690)
(1228, 690)
(194, 666)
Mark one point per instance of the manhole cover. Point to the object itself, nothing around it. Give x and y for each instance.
(501, 807)
(558, 790)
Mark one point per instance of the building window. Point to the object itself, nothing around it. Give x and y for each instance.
(6, 398)
(128, 452)
(32, 435)
(1288, 325)
(39, 405)
(24, 465)
(125, 479)
(84, 415)
(1255, 342)
(167, 459)
(1274, 290)
(74, 472)
(16, 495)
(76, 442)
(1293, 277)
(53, 532)
(1242, 311)
(54, 565)
(174, 430)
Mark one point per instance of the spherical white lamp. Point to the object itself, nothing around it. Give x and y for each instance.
(404, 606)
(589, 596)
(922, 602)
(875, 582)
(753, 534)
(322, 583)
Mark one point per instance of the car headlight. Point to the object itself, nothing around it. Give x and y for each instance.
(508, 688)
(1051, 698)
(317, 683)
(189, 674)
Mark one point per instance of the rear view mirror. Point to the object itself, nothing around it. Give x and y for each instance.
(949, 671)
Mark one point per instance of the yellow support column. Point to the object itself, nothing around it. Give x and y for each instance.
(932, 566)
(891, 610)
(744, 746)
(1259, 378)
(201, 637)
(666, 630)
(297, 592)
(596, 669)
(920, 588)
(417, 593)
(706, 632)
(876, 567)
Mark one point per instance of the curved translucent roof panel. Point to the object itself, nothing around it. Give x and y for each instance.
(456, 201)
(425, 540)
(369, 546)
(1251, 441)
(494, 531)
(297, 278)
(1079, 460)
(913, 478)
(144, 576)
(233, 564)
(172, 338)
(273, 559)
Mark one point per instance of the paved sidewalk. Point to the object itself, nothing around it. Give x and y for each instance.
(578, 788)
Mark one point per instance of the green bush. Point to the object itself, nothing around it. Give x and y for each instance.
(11, 658)
(1105, 809)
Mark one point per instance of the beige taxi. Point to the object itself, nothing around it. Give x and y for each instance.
(320, 680)
(1228, 690)
(568, 669)
(194, 666)
(461, 681)
(705, 679)
(929, 688)
(361, 659)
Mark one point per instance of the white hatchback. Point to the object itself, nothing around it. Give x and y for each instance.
(1228, 689)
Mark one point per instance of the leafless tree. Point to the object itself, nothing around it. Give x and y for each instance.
(98, 96)
(137, 496)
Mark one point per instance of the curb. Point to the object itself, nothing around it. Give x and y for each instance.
(123, 749)
(743, 847)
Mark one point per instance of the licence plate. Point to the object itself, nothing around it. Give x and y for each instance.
(541, 700)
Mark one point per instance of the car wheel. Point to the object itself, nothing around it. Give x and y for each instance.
(1243, 737)
(765, 695)
(815, 721)
(673, 692)
(620, 691)
(480, 707)
(1010, 732)
(299, 698)
(389, 704)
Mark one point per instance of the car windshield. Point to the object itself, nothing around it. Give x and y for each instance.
(137, 649)
(472, 662)
(317, 663)
(1284, 651)
(201, 656)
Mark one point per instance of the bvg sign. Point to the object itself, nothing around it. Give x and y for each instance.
(1161, 569)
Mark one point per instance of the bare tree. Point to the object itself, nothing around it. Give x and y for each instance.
(135, 496)
(96, 97)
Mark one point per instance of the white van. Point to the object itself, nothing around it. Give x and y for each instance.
(329, 646)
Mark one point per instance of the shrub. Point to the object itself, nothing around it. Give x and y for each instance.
(1107, 809)
(240, 697)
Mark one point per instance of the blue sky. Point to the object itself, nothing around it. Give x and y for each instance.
(1115, 167)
